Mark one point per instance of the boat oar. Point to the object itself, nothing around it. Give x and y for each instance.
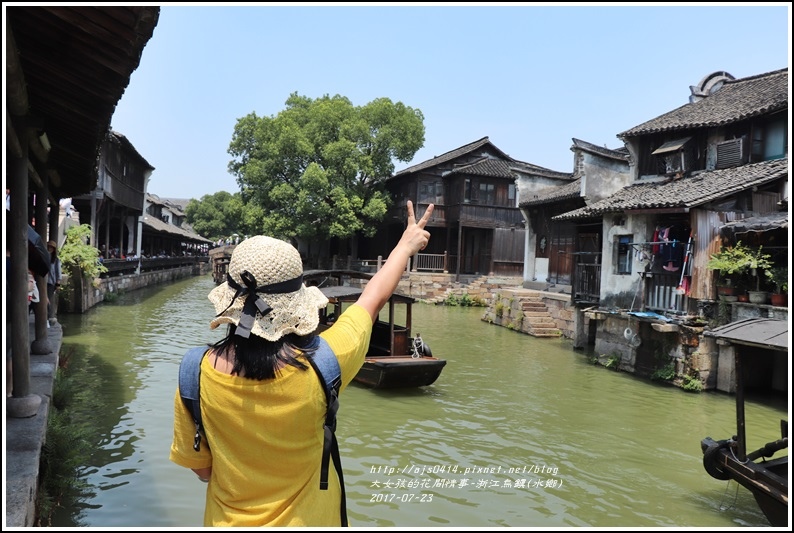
(680, 289)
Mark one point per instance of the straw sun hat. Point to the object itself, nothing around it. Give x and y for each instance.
(264, 293)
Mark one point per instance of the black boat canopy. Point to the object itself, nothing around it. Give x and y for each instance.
(761, 332)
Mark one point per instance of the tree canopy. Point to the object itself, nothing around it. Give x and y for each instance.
(316, 170)
(220, 215)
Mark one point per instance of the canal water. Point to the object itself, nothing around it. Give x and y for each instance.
(517, 432)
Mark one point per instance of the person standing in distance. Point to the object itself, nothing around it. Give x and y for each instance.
(53, 282)
(262, 405)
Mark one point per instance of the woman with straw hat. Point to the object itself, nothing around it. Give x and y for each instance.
(262, 405)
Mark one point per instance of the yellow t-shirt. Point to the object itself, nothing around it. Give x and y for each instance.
(266, 438)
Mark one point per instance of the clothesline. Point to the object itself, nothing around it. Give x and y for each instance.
(656, 242)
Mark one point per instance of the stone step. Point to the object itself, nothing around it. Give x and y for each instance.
(544, 332)
(546, 322)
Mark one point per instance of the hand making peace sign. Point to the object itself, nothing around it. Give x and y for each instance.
(415, 235)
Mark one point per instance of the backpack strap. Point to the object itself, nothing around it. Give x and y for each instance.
(327, 368)
(189, 374)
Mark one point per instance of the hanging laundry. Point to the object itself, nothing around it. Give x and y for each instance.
(655, 240)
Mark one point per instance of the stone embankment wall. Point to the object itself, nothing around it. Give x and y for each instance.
(508, 304)
(436, 288)
(86, 294)
(534, 312)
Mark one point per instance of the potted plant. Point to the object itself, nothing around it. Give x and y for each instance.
(779, 278)
(736, 263)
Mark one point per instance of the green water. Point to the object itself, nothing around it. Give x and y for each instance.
(517, 431)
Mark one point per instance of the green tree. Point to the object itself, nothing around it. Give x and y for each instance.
(77, 253)
(316, 170)
(218, 215)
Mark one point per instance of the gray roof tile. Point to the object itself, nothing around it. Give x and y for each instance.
(555, 194)
(529, 168)
(620, 154)
(495, 168)
(449, 156)
(691, 191)
(737, 100)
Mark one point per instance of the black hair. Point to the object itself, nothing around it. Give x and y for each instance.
(260, 359)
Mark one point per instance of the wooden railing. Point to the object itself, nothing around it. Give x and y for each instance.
(419, 263)
(120, 267)
(469, 214)
(486, 216)
(431, 262)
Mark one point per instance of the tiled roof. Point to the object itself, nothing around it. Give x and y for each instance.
(178, 203)
(555, 194)
(486, 166)
(154, 199)
(620, 154)
(67, 68)
(691, 191)
(736, 100)
(160, 226)
(529, 168)
(114, 136)
(463, 150)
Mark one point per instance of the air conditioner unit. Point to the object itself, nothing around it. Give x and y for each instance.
(732, 153)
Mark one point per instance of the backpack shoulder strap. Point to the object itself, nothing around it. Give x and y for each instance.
(189, 374)
(326, 366)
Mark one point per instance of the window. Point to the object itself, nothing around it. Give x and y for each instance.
(511, 193)
(775, 145)
(467, 191)
(624, 254)
(674, 156)
(487, 194)
(769, 139)
(431, 192)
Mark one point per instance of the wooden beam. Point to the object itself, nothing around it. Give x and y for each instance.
(12, 140)
(16, 91)
(34, 175)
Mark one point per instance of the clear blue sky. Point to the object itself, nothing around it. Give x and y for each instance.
(529, 77)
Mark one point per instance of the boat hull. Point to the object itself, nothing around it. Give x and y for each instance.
(767, 480)
(392, 372)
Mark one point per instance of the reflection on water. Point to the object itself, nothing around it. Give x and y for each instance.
(516, 432)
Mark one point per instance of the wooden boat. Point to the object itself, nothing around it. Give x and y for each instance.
(766, 479)
(220, 257)
(395, 359)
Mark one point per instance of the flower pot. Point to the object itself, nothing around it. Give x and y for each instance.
(743, 298)
(726, 290)
(779, 299)
(758, 297)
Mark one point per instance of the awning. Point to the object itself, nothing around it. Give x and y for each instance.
(760, 223)
(760, 332)
(671, 146)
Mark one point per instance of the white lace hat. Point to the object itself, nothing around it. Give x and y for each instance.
(264, 293)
